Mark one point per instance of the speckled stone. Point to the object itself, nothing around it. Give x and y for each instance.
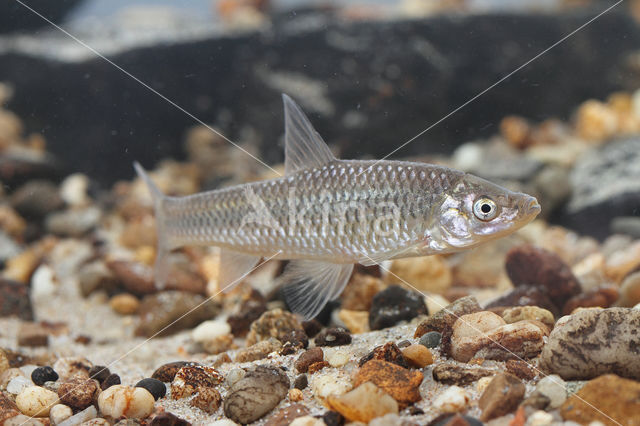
(593, 342)
(393, 305)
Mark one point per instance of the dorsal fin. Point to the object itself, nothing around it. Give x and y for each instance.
(303, 146)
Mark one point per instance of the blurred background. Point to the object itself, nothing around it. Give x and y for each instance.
(370, 74)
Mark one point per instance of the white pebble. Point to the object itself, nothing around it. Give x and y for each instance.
(73, 189)
(223, 422)
(72, 366)
(482, 384)
(121, 400)
(234, 375)
(18, 384)
(539, 418)
(28, 369)
(59, 413)
(35, 401)
(452, 400)
(8, 375)
(307, 421)
(81, 417)
(209, 330)
(22, 420)
(390, 419)
(333, 383)
(554, 388)
(337, 358)
(43, 284)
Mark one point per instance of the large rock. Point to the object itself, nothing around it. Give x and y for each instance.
(366, 105)
(606, 185)
(593, 342)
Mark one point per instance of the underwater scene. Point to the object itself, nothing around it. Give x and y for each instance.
(320, 212)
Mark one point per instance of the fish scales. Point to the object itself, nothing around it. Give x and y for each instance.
(335, 232)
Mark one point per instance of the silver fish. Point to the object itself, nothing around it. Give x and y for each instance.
(327, 214)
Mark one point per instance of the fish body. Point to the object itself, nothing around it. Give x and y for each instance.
(327, 214)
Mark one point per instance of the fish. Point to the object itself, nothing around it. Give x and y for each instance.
(325, 214)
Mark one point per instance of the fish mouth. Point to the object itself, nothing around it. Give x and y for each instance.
(530, 208)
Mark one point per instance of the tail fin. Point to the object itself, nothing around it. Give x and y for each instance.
(164, 247)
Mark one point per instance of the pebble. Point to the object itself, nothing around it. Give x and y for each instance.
(111, 380)
(363, 404)
(418, 356)
(59, 413)
(521, 369)
(234, 375)
(359, 292)
(32, 334)
(402, 384)
(17, 384)
(356, 321)
(78, 392)
(285, 416)
(81, 417)
(485, 335)
(554, 388)
(121, 400)
(307, 421)
(124, 303)
(431, 339)
(36, 401)
(337, 358)
(166, 372)
(448, 316)
(388, 352)
(256, 394)
(72, 366)
(251, 308)
(189, 378)
(593, 342)
(615, 398)
(154, 386)
(393, 305)
(43, 374)
(630, 290)
(602, 297)
(15, 300)
(540, 418)
(332, 383)
(454, 399)
(532, 266)
(36, 198)
(259, 350)
(73, 222)
(166, 312)
(274, 323)
(4, 362)
(333, 337)
(307, 358)
(99, 373)
(461, 375)
(301, 382)
(519, 313)
(501, 397)
(207, 399)
(525, 296)
(209, 330)
(456, 420)
(73, 189)
(295, 395)
(99, 421)
(95, 276)
(430, 274)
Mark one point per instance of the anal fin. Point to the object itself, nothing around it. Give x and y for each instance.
(234, 266)
(309, 285)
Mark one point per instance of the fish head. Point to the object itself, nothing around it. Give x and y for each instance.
(475, 210)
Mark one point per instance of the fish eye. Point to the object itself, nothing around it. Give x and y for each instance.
(485, 209)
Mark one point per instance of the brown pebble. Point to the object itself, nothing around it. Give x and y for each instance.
(301, 382)
(32, 334)
(288, 414)
(99, 373)
(166, 372)
(275, 323)
(259, 350)
(520, 369)
(78, 392)
(460, 375)
(124, 303)
(252, 306)
(418, 356)
(446, 317)
(602, 297)
(295, 395)
(312, 327)
(207, 399)
(111, 380)
(167, 419)
(190, 378)
(388, 352)
(333, 337)
(317, 366)
(402, 384)
(501, 397)
(307, 358)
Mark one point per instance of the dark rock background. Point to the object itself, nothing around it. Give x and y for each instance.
(15, 17)
(367, 86)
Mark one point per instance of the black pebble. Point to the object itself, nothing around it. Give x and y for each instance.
(99, 372)
(168, 419)
(43, 374)
(301, 382)
(333, 418)
(431, 339)
(393, 305)
(112, 379)
(312, 327)
(154, 386)
(333, 337)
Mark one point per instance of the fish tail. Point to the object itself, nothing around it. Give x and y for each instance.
(163, 244)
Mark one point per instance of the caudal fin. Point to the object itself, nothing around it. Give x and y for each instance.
(163, 249)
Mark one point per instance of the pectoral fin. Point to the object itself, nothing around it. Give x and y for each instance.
(234, 266)
(309, 285)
